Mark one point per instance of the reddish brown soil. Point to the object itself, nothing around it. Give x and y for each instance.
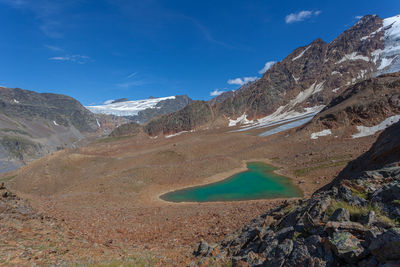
(107, 192)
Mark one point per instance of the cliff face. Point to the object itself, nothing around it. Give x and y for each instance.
(366, 103)
(193, 115)
(352, 221)
(33, 124)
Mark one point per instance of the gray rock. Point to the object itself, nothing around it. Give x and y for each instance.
(369, 262)
(387, 193)
(285, 233)
(347, 247)
(369, 219)
(387, 245)
(203, 249)
(340, 215)
(346, 195)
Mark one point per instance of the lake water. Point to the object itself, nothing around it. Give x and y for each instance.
(258, 182)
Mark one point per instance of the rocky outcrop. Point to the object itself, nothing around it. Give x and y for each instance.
(128, 129)
(350, 222)
(366, 103)
(193, 115)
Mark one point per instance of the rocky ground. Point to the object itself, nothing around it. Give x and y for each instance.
(354, 221)
(107, 192)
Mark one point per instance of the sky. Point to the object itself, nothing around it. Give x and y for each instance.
(97, 50)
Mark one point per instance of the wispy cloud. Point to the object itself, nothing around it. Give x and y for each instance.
(267, 66)
(242, 81)
(54, 48)
(206, 33)
(131, 84)
(47, 12)
(216, 92)
(80, 59)
(301, 16)
(133, 74)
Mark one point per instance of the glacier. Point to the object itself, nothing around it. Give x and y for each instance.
(127, 108)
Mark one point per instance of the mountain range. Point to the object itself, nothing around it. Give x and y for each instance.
(328, 115)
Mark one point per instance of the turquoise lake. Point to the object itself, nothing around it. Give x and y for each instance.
(258, 182)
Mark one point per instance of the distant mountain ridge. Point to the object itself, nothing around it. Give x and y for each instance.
(141, 111)
(309, 77)
(34, 124)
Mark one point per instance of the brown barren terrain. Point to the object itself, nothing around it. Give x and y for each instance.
(108, 192)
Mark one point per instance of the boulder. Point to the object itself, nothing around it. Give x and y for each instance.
(340, 215)
(369, 219)
(387, 193)
(386, 246)
(203, 249)
(347, 247)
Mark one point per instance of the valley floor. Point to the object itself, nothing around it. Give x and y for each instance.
(106, 193)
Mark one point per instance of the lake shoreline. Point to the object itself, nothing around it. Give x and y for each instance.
(219, 177)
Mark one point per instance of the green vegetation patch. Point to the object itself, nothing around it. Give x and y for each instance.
(356, 212)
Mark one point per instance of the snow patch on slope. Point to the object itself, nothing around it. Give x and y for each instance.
(127, 108)
(179, 133)
(241, 120)
(353, 56)
(280, 117)
(366, 131)
(321, 133)
(301, 54)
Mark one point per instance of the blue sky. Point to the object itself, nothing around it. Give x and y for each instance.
(95, 50)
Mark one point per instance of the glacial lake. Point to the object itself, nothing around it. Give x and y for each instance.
(258, 182)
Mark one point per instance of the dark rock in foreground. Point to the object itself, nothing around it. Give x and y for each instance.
(351, 222)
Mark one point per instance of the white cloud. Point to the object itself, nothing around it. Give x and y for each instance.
(131, 75)
(130, 84)
(300, 16)
(54, 48)
(241, 81)
(216, 92)
(72, 58)
(358, 17)
(267, 66)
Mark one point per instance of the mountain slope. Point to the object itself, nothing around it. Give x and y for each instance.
(33, 124)
(364, 104)
(193, 115)
(311, 76)
(314, 74)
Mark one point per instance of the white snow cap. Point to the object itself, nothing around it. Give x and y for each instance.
(127, 108)
(388, 59)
